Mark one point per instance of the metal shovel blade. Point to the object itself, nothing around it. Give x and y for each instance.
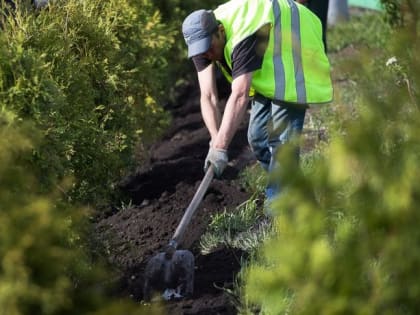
(173, 269)
(175, 273)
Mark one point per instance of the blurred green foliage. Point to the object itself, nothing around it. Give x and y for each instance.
(364, 29)
(348, 230)
(393, 9)
(44, 264)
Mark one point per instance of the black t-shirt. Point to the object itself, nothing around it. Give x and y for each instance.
(247, 55)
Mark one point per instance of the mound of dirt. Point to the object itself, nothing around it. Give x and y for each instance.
(161, 191)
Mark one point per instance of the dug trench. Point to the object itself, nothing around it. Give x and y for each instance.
(160, 190)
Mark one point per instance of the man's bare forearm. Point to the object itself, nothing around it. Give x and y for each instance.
(232, 118)
(234, 111)
(211, 114)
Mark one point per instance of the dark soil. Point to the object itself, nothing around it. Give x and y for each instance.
(160, 191)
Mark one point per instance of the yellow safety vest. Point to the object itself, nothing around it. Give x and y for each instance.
(295, 67)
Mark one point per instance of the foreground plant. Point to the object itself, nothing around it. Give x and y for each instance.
(347, 232)
(45, 265)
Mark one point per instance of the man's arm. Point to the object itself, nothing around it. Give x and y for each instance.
(232, 117)
(209, 100)
(234, 111)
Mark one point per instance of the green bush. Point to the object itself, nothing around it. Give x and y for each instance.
(44, 266)
(394, 14)
(347, 232)
(91, 75)
(364, 30)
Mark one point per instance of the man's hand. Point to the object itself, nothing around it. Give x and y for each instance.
(219, 159)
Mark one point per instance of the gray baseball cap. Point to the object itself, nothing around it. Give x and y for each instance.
(197, 29)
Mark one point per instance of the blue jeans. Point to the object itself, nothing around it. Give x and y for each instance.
(273, 123)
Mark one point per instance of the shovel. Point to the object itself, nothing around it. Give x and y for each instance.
(172, 270)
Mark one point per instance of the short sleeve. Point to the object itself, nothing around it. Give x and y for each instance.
(200, 62)
(248, 54)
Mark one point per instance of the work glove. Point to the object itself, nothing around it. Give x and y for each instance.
(218, 158)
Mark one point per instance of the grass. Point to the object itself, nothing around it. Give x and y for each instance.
(244, 228)
(365, 29)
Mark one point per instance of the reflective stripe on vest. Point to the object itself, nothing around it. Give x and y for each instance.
(280, 81)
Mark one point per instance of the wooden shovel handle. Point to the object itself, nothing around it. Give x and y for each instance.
(198, 196)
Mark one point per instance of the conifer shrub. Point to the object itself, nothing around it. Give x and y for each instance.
(91, 76)
(347, 232)
(44, 266)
